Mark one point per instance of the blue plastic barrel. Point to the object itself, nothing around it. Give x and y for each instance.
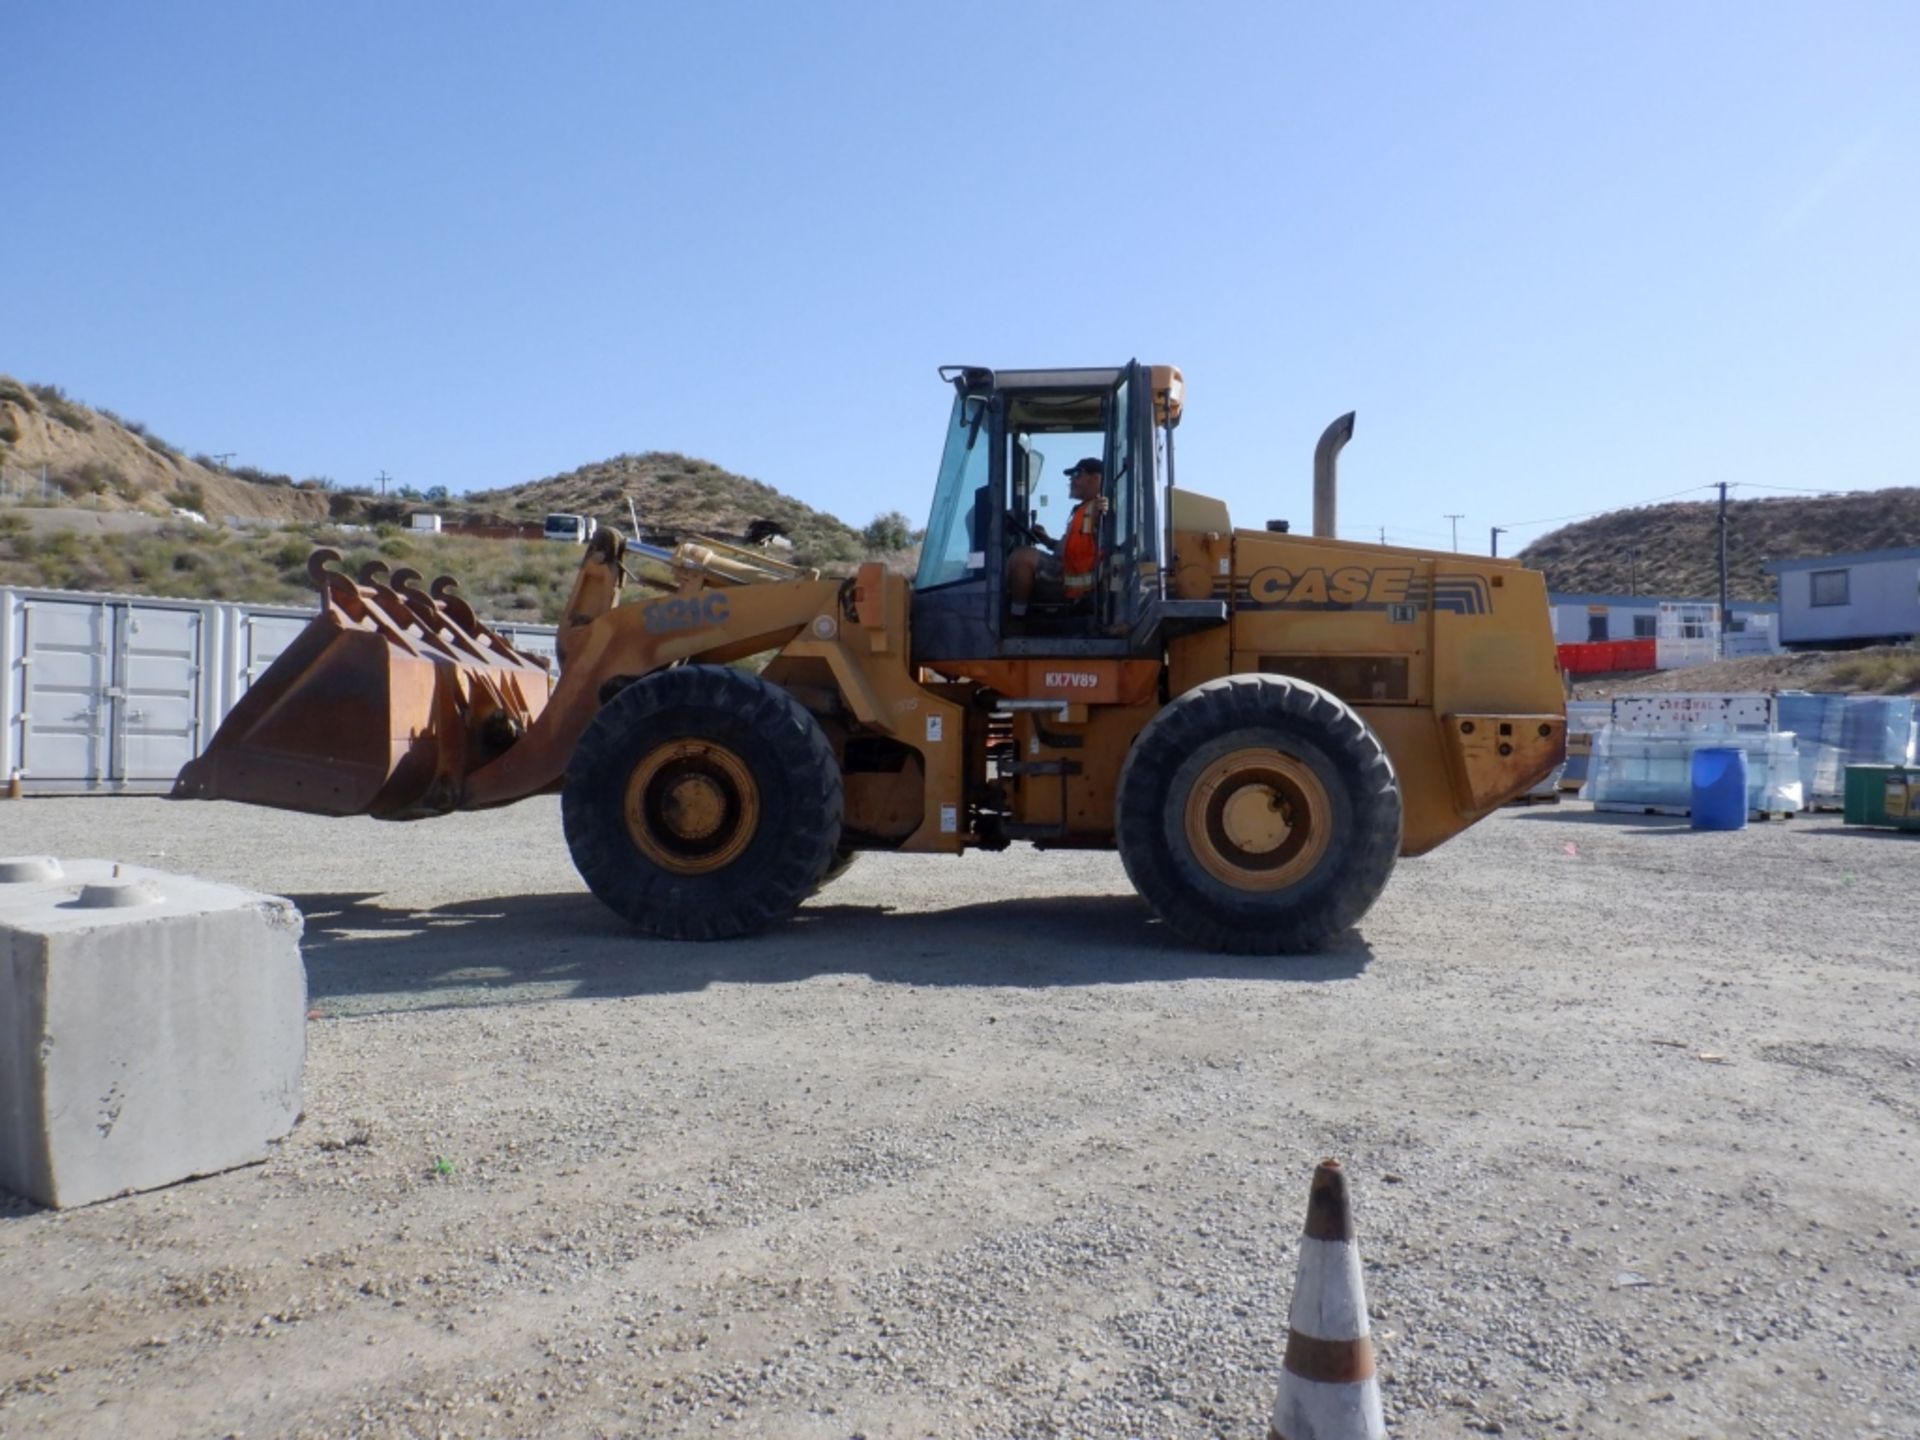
(1720, 788)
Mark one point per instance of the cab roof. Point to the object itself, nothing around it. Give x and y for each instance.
(1169, 387)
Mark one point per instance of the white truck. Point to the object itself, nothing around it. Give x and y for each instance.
(574, 529)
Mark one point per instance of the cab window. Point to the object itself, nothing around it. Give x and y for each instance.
(956, 538)
(1042, 495)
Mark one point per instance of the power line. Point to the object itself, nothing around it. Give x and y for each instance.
(1672, 495)
(1589, 514)
(1376, 527)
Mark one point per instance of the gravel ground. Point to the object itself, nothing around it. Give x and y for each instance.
(972, 1149)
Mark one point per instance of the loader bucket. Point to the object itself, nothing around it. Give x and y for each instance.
(382, 706)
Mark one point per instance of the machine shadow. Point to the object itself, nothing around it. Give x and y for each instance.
(363, 957)
(1640, 823)
(1618, 819)
(1870, 832)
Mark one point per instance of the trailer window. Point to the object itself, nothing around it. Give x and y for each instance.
(1829, 587)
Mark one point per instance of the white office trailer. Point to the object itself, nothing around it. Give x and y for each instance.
(107, 694)
(1686, 631)
(1869, 598)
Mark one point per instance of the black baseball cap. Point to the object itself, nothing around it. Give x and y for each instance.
(1092, 462)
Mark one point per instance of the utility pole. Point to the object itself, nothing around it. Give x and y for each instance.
(1493, 541)
(1456, 519)
(1726, 612)
(1633, 570)
(222, 458)
(383, 478)
(1383, 534)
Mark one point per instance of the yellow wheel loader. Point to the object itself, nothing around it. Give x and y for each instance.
(1260, 722)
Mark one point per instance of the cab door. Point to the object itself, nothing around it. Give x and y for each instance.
(1128, 595)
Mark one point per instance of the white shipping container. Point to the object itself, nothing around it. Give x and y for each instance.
(103, 694)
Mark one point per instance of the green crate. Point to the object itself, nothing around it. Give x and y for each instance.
(1866, 794)
(1883, 795)
(1901, 799)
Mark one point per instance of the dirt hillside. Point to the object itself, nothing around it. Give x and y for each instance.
(92, 501)
(675, 496)
(109, 463)
(57, 451)
(1678, 545)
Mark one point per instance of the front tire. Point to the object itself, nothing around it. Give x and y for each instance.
(703, 803)
(1259, 815)
(842, 862)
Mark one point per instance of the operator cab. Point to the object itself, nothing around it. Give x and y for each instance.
(1012, 438)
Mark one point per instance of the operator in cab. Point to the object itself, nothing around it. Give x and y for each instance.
(1066, 569)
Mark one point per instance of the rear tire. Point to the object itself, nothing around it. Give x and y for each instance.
(703, 803)
(1258, 815)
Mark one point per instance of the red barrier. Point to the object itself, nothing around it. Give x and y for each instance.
(1636, 654)
(1609, 657)
(1581, 659)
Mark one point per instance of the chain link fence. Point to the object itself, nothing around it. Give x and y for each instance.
(21, 484)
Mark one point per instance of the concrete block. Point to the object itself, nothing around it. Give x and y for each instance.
(152, 1027)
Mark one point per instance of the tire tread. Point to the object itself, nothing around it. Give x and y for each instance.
(1284, 922)
(666, 904)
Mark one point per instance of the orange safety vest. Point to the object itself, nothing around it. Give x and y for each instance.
(1080, 555)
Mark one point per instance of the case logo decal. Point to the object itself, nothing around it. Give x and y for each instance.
(1354, 587)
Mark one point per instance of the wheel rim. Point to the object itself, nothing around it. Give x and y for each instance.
(1258, 819)
(692, 807)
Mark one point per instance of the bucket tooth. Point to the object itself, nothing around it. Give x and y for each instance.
(446, 590)
(439, 626)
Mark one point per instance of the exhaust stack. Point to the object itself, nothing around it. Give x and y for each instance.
(1326, 457)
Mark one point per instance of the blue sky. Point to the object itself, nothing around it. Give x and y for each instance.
(1560, 259)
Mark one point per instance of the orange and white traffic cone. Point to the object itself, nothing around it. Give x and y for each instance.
(1327, 1386)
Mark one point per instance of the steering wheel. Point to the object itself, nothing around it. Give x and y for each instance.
(1023, 532)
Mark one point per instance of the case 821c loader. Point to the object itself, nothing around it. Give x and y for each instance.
(1259, 721)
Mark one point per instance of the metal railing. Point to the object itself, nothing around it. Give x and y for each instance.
(20, 484)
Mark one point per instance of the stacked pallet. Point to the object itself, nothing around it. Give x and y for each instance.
(1837, 731)
(1585, 719)
(1641, 759)
(1635, 752)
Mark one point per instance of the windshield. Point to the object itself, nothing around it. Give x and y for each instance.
(956, 541)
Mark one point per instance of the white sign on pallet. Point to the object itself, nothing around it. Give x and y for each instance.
(1693, 712)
